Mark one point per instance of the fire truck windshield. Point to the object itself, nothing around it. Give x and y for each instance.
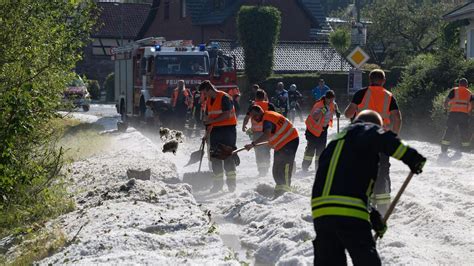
(184, 64)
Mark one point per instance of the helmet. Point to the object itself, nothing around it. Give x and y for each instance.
(292, 87)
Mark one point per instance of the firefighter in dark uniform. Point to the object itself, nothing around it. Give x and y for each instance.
(317, 124)
(220, 119)
(281, 99)
(459, 104)
(377, 98)
(344, 180)
(182, 102)
(283, 138)
(262, 153)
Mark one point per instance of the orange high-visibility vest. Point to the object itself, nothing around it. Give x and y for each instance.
(187, 98)
(215, 109)
(317, 127)
(258, 126)
(461, 102)
(284, 132)
(377, 99)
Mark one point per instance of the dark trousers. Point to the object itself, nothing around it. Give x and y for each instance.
(226, 135)
(314, 145)
(457, 121)
(336, 234)
(283, 160)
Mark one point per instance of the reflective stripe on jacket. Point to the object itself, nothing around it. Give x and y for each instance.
(317, 127)
(461, 102)
(284, 131)
(215, 109)
(377, 99)
(258, 126)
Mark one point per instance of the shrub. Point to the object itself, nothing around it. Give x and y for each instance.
(424, 80)
(93, 88)
(439, 114)
(259, 30)
(109, 87)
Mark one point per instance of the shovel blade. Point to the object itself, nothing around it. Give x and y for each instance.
(195, 157)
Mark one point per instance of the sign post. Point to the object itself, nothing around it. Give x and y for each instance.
(357, 58)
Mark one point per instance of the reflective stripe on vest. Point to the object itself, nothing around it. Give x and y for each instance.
(215, 109)
(284, 132)
(381, 106)
(258, 126)
(461, 102)
(317, 127)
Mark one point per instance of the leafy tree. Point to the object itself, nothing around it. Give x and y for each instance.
(109, 87)
(340, 39)
(259, 31)
(39, 46)
(402, 29)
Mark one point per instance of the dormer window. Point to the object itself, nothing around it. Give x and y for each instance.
(219, 4)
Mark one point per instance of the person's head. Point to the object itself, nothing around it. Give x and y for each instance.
(207, 87)
(181, 84)
(259, 95)
(329, 97)
(377, 77)
(255, 87)
(280, 86)
(370, 117)
(321, 82)
(463, 82)
(293, 87)
(256, 113)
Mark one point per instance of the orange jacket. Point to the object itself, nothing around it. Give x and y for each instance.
(215, 109)
(284, 132)
(188, 98)
(258, 126)
(317, 127)
(461, 102)
(377, 99)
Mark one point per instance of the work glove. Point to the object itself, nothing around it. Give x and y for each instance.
(249, 132)
(377, 223)
(417, 163)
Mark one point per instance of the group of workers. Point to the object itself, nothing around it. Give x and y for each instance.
(352, 187)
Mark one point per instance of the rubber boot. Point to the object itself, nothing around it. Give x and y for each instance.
(305, 165)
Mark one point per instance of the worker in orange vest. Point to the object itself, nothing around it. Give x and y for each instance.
(220, 119)
(262, 153)
(283, 138)
(182, 102)
(235, 95)
(459, 103)
(317, 124)
(377, 98)
(256, 87)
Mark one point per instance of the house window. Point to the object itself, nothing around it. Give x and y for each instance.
(183, 8)
(166, 10)
(219, 4)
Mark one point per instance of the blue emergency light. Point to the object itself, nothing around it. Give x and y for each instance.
(202, 47)
(158, 48)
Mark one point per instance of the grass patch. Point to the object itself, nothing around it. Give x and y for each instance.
(37, 246)
(80, 140)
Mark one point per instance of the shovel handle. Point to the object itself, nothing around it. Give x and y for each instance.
(256, 145)
(395, 201)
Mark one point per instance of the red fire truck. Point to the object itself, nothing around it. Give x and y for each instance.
(148, 70)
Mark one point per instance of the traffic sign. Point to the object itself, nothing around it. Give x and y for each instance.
(358, 57)
(354, 81)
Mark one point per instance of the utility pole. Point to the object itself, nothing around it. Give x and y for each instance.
(357, 6)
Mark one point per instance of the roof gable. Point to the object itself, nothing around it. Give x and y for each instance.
(111, 16)
(203, 12)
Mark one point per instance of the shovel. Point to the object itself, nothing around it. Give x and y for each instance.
(223, 152)
(395, 201)
(196, 156)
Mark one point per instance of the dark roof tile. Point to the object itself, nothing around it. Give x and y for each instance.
(110, 19)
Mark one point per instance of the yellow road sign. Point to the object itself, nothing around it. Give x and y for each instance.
(358, 57)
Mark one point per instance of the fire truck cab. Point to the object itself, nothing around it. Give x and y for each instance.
(147, 71)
